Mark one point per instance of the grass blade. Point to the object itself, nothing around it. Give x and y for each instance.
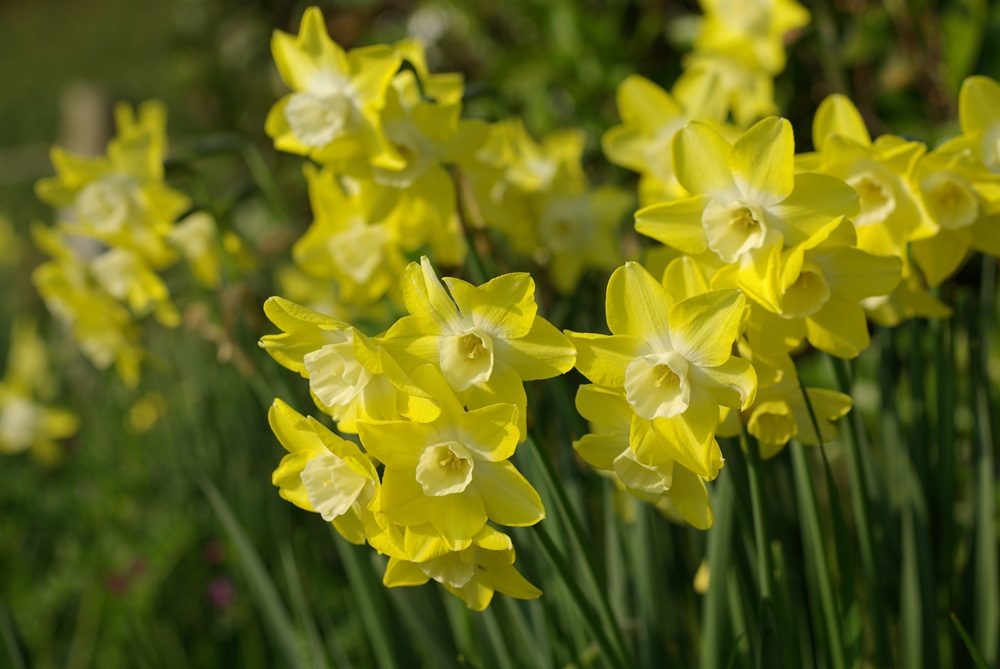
(271, 606)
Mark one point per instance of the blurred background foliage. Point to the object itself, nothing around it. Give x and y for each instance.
(116, 556)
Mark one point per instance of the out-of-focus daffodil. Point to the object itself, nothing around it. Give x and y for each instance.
(332, 115)
(120, 199)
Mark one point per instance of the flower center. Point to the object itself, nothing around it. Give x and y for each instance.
(875, 197)
(316, 119)
(950, 200)
(445, 469)
(733, 230)
(657, 386)
(331, 485)
(807, 294)
(105, 204)
(335, 375)
(466, 358)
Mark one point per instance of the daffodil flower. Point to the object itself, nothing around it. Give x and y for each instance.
(484, 339)
(452, 472)
(349, 240)
(351, 376)
(473, 573)
(649, 472)
(821, 285)
(650, 119)
(120, 198)
(673, 359)
(332, 115)
(746, 198)
(960, 199)
(328, 475)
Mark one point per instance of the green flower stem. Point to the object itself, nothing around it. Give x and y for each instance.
(591, 617)
(762, 537)
(833, 610)
(720, 542)
(987, 595)
(581, 543)
(859, 499)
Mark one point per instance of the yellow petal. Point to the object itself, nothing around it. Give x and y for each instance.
(763, 162)
(701, 161)
(839, 328)
(703, 328)
(602, 358)
(677, 224)
(837, 115)
(507, 496)
(542, 353)
(979, 104)
(637, 304)
(504, 306)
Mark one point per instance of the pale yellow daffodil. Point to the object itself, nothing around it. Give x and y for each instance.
(473, 573)
(332, 477)
(673, 359)
(452, 472)
(332, 115)
(351, 376)
(608, 448)
(746, 197)
(486, 340)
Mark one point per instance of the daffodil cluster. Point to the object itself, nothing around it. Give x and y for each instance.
(117, 230)
(740, 47)
(382, 131)
(536, 195)
(27, 421)
(438, 404)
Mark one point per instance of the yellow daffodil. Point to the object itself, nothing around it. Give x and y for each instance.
(822, 283)
(26, 424)
(746, 198)
(609, 448)
(125, 276)
(332, 115)
(349, 241)
(452, 472)
(580, 232)
(744, 90)
(780, 413)
(120, 199)
(473, 574)
(332, 477)
(351, 376)
(104, 329)
(26, 421)
(960, 199)
(197, 239)
(486, 340)
(755, 30)
(650, 119)
(979, 113)
(673, 359)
